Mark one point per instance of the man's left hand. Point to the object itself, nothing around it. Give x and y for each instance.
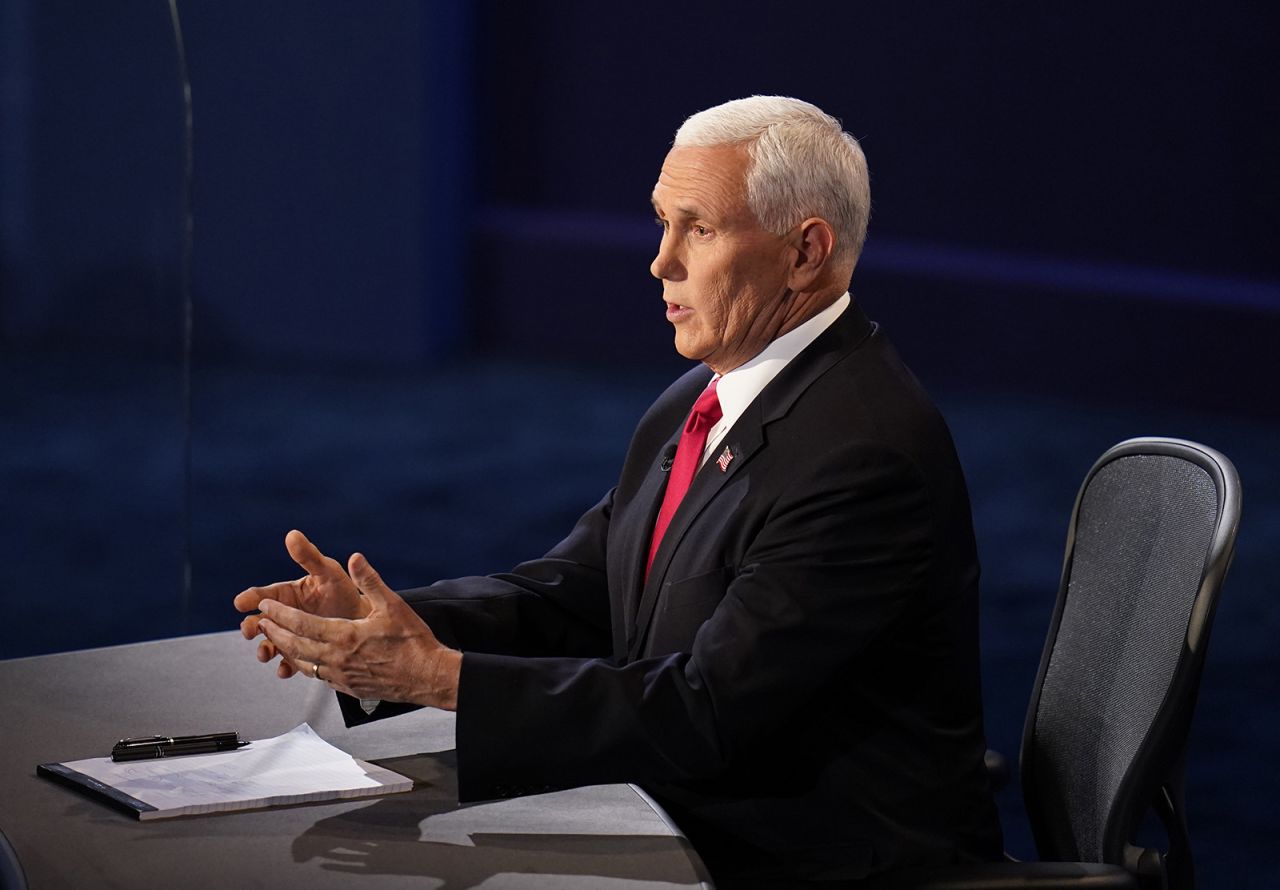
(390, 654)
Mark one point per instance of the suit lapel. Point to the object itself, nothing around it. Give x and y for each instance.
(846, 334)
(648, 500)
(743, 440)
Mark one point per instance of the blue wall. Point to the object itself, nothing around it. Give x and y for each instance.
(390, 184)
(331, 147)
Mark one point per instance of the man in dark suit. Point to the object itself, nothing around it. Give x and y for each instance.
(770, 623)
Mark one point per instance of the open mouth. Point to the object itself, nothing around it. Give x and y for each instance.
(676, 312)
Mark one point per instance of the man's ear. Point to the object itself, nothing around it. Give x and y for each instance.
(814, 243)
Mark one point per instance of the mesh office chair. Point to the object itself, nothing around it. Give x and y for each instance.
(1151, 536)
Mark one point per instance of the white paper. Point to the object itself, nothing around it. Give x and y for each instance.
(296, 767)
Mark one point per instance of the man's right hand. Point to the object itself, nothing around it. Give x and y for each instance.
(326, 590)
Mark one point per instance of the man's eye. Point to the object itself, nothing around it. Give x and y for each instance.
(701, 231)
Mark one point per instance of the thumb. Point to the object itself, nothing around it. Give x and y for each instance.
(370, 582)
(304, 553)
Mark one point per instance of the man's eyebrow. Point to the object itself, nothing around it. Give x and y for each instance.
(686, 211)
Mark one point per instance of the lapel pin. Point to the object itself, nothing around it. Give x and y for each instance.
(724, 459)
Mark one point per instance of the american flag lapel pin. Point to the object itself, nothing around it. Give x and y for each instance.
(724, 459)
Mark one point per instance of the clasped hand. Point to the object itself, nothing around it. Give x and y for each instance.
(350, 630)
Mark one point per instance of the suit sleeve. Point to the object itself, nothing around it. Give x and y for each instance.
(839, 559)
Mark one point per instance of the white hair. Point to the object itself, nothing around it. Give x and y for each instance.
(801, 164)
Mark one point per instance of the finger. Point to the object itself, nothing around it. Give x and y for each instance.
(308, 555)
(291, 664)
(247, 600)
(317, 672)
(285, 669)
(284, 591)
(249, 627)
(370, 582)
(266, 651)
(303, 624)
(293, 647)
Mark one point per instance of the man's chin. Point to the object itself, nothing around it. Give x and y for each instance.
(688, 349)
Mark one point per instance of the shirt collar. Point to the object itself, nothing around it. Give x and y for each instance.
(738, 388)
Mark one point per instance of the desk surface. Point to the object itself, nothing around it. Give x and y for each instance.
(74, 705)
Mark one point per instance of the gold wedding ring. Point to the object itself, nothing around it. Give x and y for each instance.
(315, 669)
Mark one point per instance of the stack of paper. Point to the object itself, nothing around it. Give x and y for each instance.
(297, 767)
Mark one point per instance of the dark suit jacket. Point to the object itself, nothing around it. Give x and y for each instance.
(797, 682)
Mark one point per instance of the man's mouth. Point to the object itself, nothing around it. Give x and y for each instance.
(677, 312)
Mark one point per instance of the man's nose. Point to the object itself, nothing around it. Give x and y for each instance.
(665, 265)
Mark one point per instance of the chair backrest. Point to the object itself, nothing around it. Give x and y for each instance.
(1151, 537)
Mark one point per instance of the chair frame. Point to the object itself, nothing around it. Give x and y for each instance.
(1155, 777)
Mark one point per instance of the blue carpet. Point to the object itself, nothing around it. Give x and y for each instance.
(470, 469)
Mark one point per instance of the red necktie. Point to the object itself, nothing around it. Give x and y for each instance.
(705, 414)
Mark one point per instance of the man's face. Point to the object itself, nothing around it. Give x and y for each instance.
(724, 278)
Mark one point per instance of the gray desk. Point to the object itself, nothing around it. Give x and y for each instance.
(74, 705)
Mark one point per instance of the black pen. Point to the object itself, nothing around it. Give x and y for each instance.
(156, 746)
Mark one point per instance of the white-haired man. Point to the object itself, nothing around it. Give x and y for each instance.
(770, 623)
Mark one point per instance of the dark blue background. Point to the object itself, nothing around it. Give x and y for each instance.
(424, 323)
